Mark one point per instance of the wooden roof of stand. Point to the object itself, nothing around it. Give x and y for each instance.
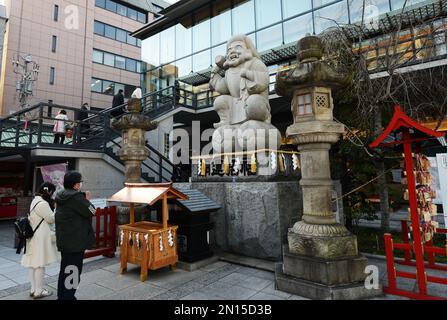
(146, 193)
(399, 121)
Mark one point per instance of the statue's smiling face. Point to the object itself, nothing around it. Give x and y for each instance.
(237, 53)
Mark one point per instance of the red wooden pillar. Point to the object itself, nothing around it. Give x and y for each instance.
(106, 227)
(417, 241)
(98, 226)
(407, 253)
(392, 284)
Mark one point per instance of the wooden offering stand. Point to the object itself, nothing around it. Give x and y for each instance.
(148, 244)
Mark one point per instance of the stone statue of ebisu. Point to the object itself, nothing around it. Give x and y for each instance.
(244, 89)
(242, 79)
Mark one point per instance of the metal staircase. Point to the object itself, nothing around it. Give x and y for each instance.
(32, 128)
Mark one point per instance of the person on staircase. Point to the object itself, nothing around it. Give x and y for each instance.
(60, 123)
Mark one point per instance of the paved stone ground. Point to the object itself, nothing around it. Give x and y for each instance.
(395, 220)
(218, 281)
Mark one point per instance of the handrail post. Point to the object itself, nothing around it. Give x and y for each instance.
(40, 125)
(17, 131)
(1, 131)
(106, 130)
(160, 168)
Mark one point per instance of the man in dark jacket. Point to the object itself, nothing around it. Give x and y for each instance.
(118, 100)
(74, 233)
(83, 125)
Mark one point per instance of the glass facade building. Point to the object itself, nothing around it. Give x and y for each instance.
(185, 51)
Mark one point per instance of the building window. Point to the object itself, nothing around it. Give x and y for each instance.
(305, 104)
(110, 32)
(108, 87)
(52, 75)
(114, 33)
(112, 60)
(122, 10)
(111, 5)
(96, 85)
(131, 65)
(131, 40)
(111, 88)
(132, 14)
(99, 28)
(53, 44)
(121, 35)
(166, 145)
(98, 56)
(120, 62)
(142, 17)
(56, 13)
(109, 59)
(100, 3)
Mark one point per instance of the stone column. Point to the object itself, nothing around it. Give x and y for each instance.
(321, 259)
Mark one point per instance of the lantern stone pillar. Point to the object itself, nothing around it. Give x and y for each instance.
(133, 147)
(133, 152)
(321, 259)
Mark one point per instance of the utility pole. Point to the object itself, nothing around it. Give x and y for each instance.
(28, 71)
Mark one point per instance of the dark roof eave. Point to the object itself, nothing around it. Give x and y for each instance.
(144, 32)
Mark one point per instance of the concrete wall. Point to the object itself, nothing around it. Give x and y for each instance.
(101, 178)
(156, 137)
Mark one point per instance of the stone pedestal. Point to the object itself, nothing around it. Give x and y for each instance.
(255, 216)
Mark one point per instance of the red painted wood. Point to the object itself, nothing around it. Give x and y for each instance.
(407, 253)
(417, 240)
(407, 275)
(410, 294)
(98, 226)
(106, 242)
(401, 121)
(403, 246)
(436, 280)
(390, 261)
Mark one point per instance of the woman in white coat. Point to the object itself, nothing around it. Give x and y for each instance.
(41, 249)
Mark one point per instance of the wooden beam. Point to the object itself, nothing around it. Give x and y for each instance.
(132, 213)
(165, 211)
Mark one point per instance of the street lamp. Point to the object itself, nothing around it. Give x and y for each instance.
(28, 71)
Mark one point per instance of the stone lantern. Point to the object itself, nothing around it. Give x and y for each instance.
(134, 126)
(321, 259)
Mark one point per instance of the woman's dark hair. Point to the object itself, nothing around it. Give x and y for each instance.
(46, 190)
(63, 112)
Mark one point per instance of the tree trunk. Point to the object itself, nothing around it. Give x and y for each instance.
(380, 170)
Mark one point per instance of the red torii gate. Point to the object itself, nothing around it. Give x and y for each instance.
(402, 123)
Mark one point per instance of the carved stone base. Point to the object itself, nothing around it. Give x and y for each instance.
(329, 246)
(328, 272)
(317, 291)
